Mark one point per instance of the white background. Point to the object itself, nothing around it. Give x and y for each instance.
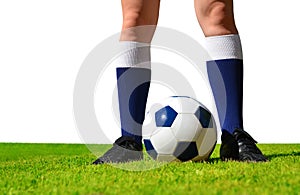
(43, 43)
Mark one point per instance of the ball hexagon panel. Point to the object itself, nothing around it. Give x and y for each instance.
(204, 117)
(186, 127)
(165, 117)
(186, 151)
(183, 104)
(164, 141)
(207, 141)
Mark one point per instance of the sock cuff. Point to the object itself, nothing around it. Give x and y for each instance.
(134, 54)
(224, 47)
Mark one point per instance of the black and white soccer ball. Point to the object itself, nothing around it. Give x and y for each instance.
(179, 128)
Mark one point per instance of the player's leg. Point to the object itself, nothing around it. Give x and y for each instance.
(225, 72)
(133, 74)
(139, 13)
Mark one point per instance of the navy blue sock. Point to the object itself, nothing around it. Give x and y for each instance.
(133, 87)
(226, 80)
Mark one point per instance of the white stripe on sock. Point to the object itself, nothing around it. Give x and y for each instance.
(134, 54)
(224, 47)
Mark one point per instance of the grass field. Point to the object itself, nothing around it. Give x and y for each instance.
(66, 169)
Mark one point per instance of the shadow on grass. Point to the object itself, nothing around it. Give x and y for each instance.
(273, 156)
(213, 160)
(270, 157)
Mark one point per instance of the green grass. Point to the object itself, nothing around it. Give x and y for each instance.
(66, 169)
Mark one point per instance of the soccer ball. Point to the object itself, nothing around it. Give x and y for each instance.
(179, 128)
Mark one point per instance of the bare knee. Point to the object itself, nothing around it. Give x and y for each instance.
(216, 17)
(139, 20)
(134, 18)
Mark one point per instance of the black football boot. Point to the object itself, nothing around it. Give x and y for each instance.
(240, 146)
(125, 149)
(229, 147)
